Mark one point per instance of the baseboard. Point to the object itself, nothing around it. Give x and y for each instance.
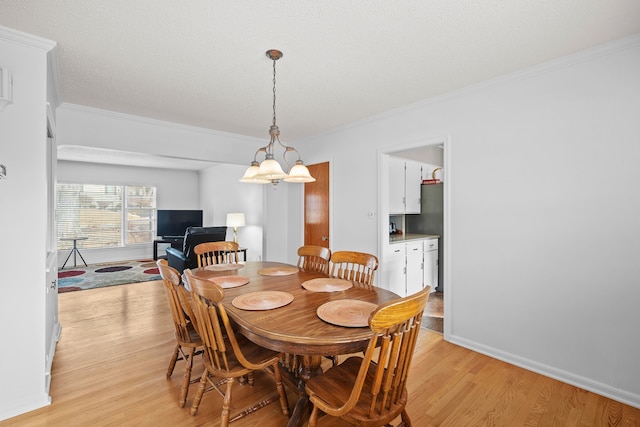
(55, 336)
(13, 409)
(551, 372)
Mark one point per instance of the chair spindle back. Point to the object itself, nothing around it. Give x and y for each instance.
(358, 267)
(211, 253)
(314, 258)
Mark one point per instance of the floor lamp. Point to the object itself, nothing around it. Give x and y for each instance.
(235, 220)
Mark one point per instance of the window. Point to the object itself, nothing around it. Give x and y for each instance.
(109, 215)
(141, 214)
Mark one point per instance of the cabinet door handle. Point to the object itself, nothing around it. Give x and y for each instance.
(325, 238)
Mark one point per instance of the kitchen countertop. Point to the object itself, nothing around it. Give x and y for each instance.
(399, 238)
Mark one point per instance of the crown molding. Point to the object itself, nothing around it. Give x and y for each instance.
(155, 122)
(25, 39)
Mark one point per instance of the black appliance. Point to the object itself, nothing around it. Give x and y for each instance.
(431, 221)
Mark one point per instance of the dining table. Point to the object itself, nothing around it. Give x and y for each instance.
(281, 307)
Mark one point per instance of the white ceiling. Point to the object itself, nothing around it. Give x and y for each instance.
(203, 63)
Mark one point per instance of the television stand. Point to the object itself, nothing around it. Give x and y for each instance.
(174, 241)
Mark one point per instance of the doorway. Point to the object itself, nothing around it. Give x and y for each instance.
(433, 154)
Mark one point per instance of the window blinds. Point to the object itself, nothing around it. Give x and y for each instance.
(108, 215)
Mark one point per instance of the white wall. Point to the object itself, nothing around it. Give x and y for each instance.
(23, 222)
(175, 189)
(543, 175)
(221, 193)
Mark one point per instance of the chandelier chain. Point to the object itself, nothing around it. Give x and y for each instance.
(274, 92)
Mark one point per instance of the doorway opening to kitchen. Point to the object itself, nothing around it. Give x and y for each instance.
(414, 222)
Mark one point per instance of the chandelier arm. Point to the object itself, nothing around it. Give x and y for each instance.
(261, 149)
(284, 156)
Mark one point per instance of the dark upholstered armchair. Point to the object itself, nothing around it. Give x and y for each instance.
(192, 237)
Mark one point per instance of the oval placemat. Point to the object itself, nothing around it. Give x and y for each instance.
(278, 271)
(223, 267)
(263, 300)
(325, 284)
(351, 313)
(230, 281)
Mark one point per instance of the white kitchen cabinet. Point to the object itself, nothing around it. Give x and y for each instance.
(402, 270)
(396, 185)
(393, 268)
(412, 192)
(430, 262)
(405, 178)
(414, 277)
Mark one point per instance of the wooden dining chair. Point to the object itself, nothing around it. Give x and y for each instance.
(368, 392)
(228, 356)
(210, 253)
(314, 258)
(188, 342)
(359, 267)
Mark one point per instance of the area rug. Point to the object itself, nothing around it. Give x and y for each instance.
(111, 274)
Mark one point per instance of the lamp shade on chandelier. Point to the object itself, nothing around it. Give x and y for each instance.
(269, 170)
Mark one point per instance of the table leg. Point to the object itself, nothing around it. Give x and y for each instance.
(82, 258)
(65, 261)
(310, 368)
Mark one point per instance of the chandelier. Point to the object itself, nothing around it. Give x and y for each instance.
(269, 170)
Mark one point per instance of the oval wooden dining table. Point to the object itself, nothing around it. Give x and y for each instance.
(296, 328)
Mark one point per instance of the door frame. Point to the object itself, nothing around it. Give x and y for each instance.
(383, 210)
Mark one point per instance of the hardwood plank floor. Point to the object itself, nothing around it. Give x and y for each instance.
(434, 313)
(116, 342)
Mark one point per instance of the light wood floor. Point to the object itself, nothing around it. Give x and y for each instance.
(110, 364)
(434, 312)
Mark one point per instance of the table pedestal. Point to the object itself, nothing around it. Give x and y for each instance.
(310, 367)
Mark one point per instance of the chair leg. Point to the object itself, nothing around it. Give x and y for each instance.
(187, 376)
(199, 393)
(406, 422)
(313, 418)
(284, 403)
(174, 359)
(226, 404)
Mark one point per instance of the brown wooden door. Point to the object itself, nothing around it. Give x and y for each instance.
(316, 206)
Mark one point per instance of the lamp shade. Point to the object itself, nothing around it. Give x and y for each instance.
(235, 219)
(250, 175)
(299, 173)
(270, 169)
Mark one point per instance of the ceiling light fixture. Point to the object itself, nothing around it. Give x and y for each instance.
(270, 171)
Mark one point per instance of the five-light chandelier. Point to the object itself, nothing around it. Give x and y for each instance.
(270, 171)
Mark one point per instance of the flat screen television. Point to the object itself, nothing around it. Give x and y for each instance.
(173, 223)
